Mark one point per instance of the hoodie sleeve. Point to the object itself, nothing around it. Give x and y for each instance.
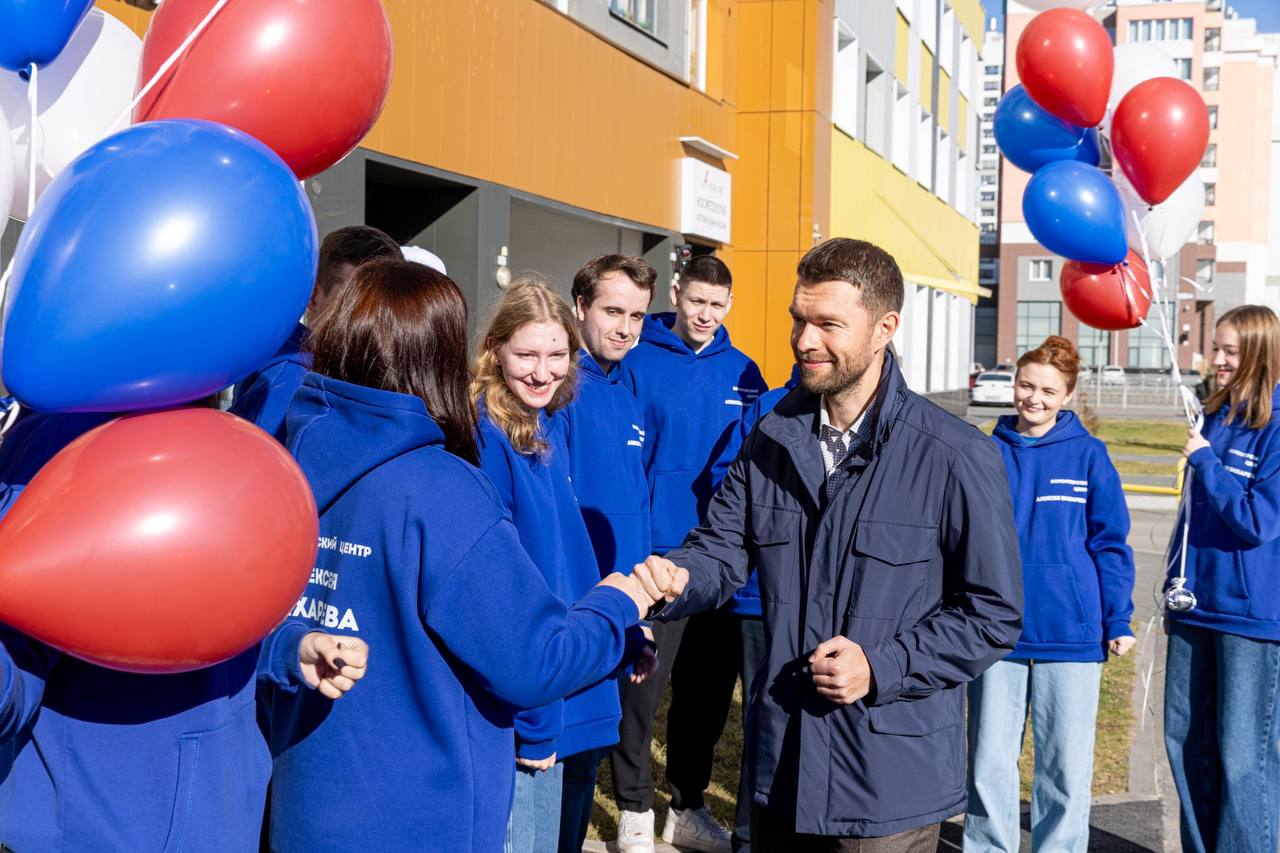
(981, 614)
(278, 654)
(1107, 543)
(537, 730)
(24, 666)
(523, 643)
(1253, 513)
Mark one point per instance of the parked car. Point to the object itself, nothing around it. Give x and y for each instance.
(974, 369)
(995, 387)
(1113, 374)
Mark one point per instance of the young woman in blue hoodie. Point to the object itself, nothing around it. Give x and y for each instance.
(419, 557)
(1222, 682)
(524, 373)
(1077, 575)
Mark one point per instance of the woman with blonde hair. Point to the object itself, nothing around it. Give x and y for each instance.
(524, 373)
(1222, 683)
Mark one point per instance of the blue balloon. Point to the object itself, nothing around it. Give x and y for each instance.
(1075, 211)
(37, 30)
(1031, 137)
(163, 264)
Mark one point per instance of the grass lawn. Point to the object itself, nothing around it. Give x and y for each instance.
(1143, 438)
(1110, 771)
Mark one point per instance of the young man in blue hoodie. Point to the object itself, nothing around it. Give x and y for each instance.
(604, 430)
(263, 396)
(693, 387)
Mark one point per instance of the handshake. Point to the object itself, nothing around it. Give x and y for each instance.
(653, 581)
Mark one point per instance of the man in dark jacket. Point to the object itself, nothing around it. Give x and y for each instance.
(889, 576)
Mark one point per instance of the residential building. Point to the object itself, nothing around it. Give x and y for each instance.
(989, 163)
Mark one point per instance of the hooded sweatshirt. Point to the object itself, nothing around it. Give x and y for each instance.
(691, 402)
(604, 430)
(746, 601)
(95, 759)
(263, 396)
(37, 437)
(539, 495)
(419, 559)
(1077, 568)
(1233, 544)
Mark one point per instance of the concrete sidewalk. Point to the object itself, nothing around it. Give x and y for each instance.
(1146, 818)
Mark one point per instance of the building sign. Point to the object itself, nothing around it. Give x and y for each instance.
(705, 196)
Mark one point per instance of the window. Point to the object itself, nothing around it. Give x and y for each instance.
(1041, 270)
(922, 168)
(1211, 79)
(988, 149)
(990, 102)
(1210, 193)
(1213, 39)
(1213, 117)
(1094, 346)
(991, 86)
(901, 140)
(640, 13)
(1145, 347)
(1157, 30)
(844, 85)
(1184, 29)
(991, 70)
(988, 180)
(1184, 68)
(1160, 29)
(1204, 270)
(988, 212)
(1210, 155)
(875, 105)
(1037, 321)
(987, 196)
(1204, 232)
(988, 133)
(988, 228)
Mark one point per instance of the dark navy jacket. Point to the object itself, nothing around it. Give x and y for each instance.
(915, 559)
(1233, 545)
(692, 401)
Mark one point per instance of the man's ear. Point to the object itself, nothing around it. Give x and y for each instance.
(675, 293)
(580, 307)
(887, 327)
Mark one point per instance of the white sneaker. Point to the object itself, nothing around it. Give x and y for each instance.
(696, 829)
(635, 832)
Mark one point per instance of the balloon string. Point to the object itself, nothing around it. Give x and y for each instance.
(34, 153)
(167, 64)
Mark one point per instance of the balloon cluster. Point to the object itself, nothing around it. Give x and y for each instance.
(160, 263)
(1079, 97)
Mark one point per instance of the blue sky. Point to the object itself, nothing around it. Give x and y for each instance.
(1267, 12)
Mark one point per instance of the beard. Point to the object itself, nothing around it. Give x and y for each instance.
(846, 372)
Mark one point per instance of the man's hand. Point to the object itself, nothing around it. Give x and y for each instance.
(841, 671)
(661, 578)
(647, 664)
(1120, 646)
(1195, 441)
(537, 764)
(332, 663)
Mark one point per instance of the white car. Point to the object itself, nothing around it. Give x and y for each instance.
(1113, 375)
(992, 388)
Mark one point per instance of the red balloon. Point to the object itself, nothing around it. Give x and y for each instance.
(1158, 136)
(163, 542)
(306, 77)
(1065, 62)
(1107, 297)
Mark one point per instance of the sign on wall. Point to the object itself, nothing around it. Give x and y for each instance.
(705, 200)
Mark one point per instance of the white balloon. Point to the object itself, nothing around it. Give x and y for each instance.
(1046, 5)
(6, 173)
(80, 94)
(1167, 226)
(1135, 62)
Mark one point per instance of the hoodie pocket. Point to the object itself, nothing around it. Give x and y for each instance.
(1053, 610)
(222, 787)
(674, 508)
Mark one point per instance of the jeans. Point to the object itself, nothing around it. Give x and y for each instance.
(752, 630)
(577, 798)
(1063, 696)
(1221, 698)
(534, 825)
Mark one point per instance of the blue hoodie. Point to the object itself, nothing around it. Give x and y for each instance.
(746, 601)
(539, 495)
(1233, 545)
(94, 759)
(37, 437)
(1073, 523)
(604, 430)
(263, 397)
(691, 403)
(420, 560)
